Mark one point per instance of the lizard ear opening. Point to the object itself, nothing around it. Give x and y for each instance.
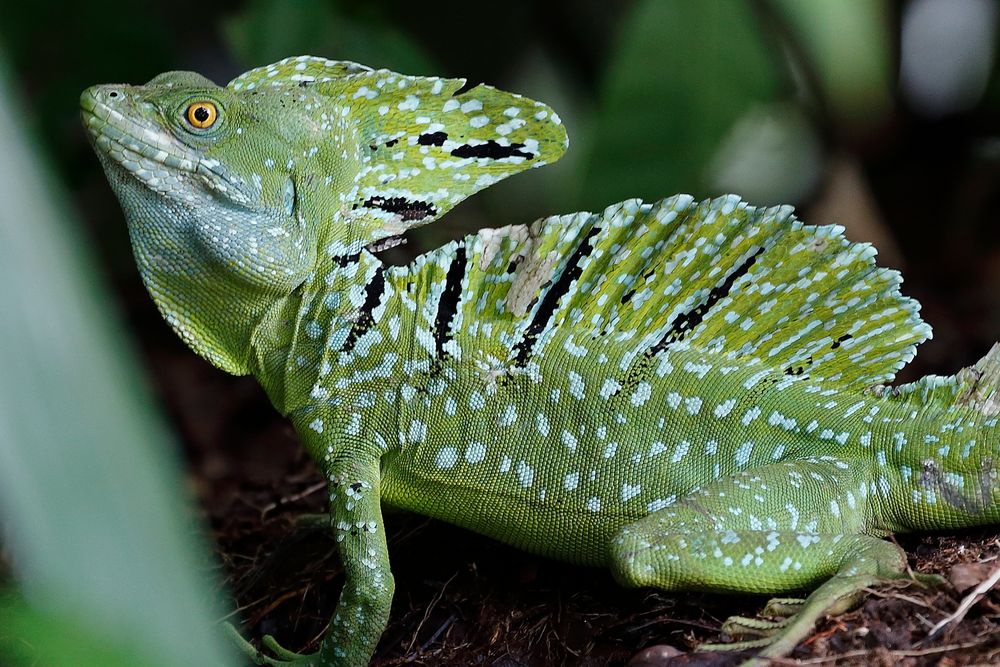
(288, 197)
(421, 145)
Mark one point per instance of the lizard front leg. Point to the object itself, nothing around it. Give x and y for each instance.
(363, 609)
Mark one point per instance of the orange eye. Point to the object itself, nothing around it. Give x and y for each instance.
(202, 115)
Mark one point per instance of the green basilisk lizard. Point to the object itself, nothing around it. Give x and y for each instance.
(692, 394)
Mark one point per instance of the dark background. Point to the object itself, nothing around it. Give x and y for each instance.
(871, 115)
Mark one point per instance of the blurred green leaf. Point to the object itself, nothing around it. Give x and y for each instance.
(88, 485)
(269, 30)
(28, 637)
(683, 72)
(846, 43)
(770, 156)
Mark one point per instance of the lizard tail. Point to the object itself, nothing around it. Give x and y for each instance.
(948, 446)
(972, 391)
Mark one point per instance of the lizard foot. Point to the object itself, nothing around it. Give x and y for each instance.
(285, 658)
(740, 627)
(781, 609)
(755, 629)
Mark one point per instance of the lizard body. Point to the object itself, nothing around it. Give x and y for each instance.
(691, 394)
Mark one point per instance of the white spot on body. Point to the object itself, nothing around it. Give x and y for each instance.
(525, 474)
(630, 491)
(569, 440)
(475, 452)
(641, 394)
(446, 458)
(542, 424)
(509, 416)
(743, 453)
(723, 409)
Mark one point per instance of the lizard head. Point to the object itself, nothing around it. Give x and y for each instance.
(236, 195)
(193, 161)
(215, 231)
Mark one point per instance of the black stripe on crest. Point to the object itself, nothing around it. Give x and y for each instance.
(448, 303)
(686, 322)
(550, 301)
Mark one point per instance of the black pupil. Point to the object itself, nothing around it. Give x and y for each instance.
(201, 114)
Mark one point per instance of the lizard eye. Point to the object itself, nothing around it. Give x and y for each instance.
(202, 115)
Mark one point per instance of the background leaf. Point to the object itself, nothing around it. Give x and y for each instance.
(88, 481)
(846, 48)
(681, 76)
(269, 30)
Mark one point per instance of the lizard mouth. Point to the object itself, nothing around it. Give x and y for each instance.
(141, 148)
(146, 150)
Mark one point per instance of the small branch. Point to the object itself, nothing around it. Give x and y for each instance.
(972, 598)
(284, 500)
(427, 613)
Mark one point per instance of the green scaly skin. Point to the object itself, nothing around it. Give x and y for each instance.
(691, 394)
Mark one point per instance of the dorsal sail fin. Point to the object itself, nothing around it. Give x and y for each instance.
(742, 284)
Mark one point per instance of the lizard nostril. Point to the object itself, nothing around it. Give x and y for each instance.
(113, 93)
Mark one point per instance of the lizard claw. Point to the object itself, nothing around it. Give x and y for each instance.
(285, 657)
(754, 632)
(317, 522)
(783, 607)
(734, 647)
(282, 652)
(739, 627)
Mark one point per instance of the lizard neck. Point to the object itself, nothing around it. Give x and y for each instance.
(298, 347)
(212, 267)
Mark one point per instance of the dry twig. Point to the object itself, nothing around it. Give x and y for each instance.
(972, 598)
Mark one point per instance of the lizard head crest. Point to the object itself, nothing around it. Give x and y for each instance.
(237, 194)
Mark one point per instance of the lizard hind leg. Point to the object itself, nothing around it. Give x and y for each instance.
(868, 561)
(749, 533)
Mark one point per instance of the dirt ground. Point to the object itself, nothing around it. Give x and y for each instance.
(463, 599)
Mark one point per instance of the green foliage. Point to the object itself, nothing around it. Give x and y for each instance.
(269, 30)
(846, 46)
(32, 637)
(88, 482)
(682, 74)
